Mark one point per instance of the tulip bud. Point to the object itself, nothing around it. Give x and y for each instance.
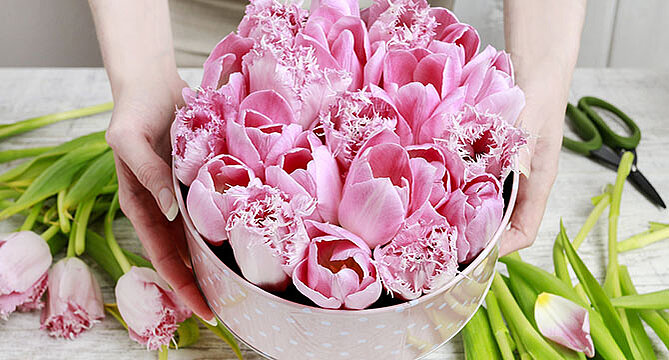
(421, 257)
(267, 234)
(338, 271)
(74, 299)
(149, 307)
(24, 261)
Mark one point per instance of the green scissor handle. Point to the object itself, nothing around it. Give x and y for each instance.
(587, 103)
(585, 129)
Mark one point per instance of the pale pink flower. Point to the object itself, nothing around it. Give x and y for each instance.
(476, 211)
(297, 74)
(413, 24)
(267, 232)
(206, 201)
(309, 170)
(338, 271)
(376, 193)
(261, 136)
(422, 256)
(149, 307)
(490, 85)
(198, 130)
(335, 28)
(436, 172)
(24, 261)
(74, 300)
(273, 21)
(357, 120)
(564, 322)
(484, 141)
(224, 60)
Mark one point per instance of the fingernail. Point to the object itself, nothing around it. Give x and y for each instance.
(168, 204)
(212, 321)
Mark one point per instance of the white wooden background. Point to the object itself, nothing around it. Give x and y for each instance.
(617, 33)
(643, 94)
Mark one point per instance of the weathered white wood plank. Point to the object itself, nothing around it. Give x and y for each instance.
(640, 37)
(642, 94)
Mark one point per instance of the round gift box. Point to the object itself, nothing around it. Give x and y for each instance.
(282, 329)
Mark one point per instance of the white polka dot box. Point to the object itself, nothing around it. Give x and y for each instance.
(280, 329)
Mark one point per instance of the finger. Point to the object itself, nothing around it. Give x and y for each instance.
(149, 168)
(159, 238)
(533, 194)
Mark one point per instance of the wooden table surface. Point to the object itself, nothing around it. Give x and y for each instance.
(642, 94)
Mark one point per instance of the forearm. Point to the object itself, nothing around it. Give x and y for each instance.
(135, 41)
(543, 38)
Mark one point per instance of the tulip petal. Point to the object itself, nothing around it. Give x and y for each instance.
(564, 322)
(225, 58)
(270, 104)
(24, 258)
(395, 67)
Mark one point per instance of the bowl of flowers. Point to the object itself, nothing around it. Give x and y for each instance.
(345, 175)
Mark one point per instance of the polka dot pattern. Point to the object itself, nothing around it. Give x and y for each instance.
(280, 329)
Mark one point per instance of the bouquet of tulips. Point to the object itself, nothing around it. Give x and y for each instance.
(346, 151)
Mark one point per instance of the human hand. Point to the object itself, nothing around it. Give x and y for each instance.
(139, 135)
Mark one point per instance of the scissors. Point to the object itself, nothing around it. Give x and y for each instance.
(603, 145)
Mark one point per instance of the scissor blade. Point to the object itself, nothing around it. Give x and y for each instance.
(643, 185)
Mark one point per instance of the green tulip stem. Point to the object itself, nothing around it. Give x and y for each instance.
(50, 232)
(643, 239)
(499, 329)
(19, 127)
(63, 215)
(111, 239)
(32, 217)
(83, 214)
(162, 353)
(600, 204)
(612, 280)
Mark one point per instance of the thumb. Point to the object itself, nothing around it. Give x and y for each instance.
(149, 168)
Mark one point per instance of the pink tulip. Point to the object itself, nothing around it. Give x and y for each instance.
(564, 322)
(476, 211)
(309, 171)
(149, 307)
(436, 172)
(377, 193)
(298, 75)
(335, 28)
(357, 120)
(272, 21)
(267, 233)
(485, 142)
(338, 271)
(490, 85)
(422, 256)
(258, 140)
(24, 260)
(74, 299)
(206, 201)
(225, 59)
(198, 130)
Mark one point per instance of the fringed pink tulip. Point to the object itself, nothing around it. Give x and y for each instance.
(309, 171)
(267, 233)
(484, 141)
(296, 74)
(357, 120)
(377, 193)
(24, 261)
(206, 202)
(476, 211)
(564, 322)
(74, 299)
(338, 271)
(149, 307)
(273, 21)
(422, 256)
(198, 131)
